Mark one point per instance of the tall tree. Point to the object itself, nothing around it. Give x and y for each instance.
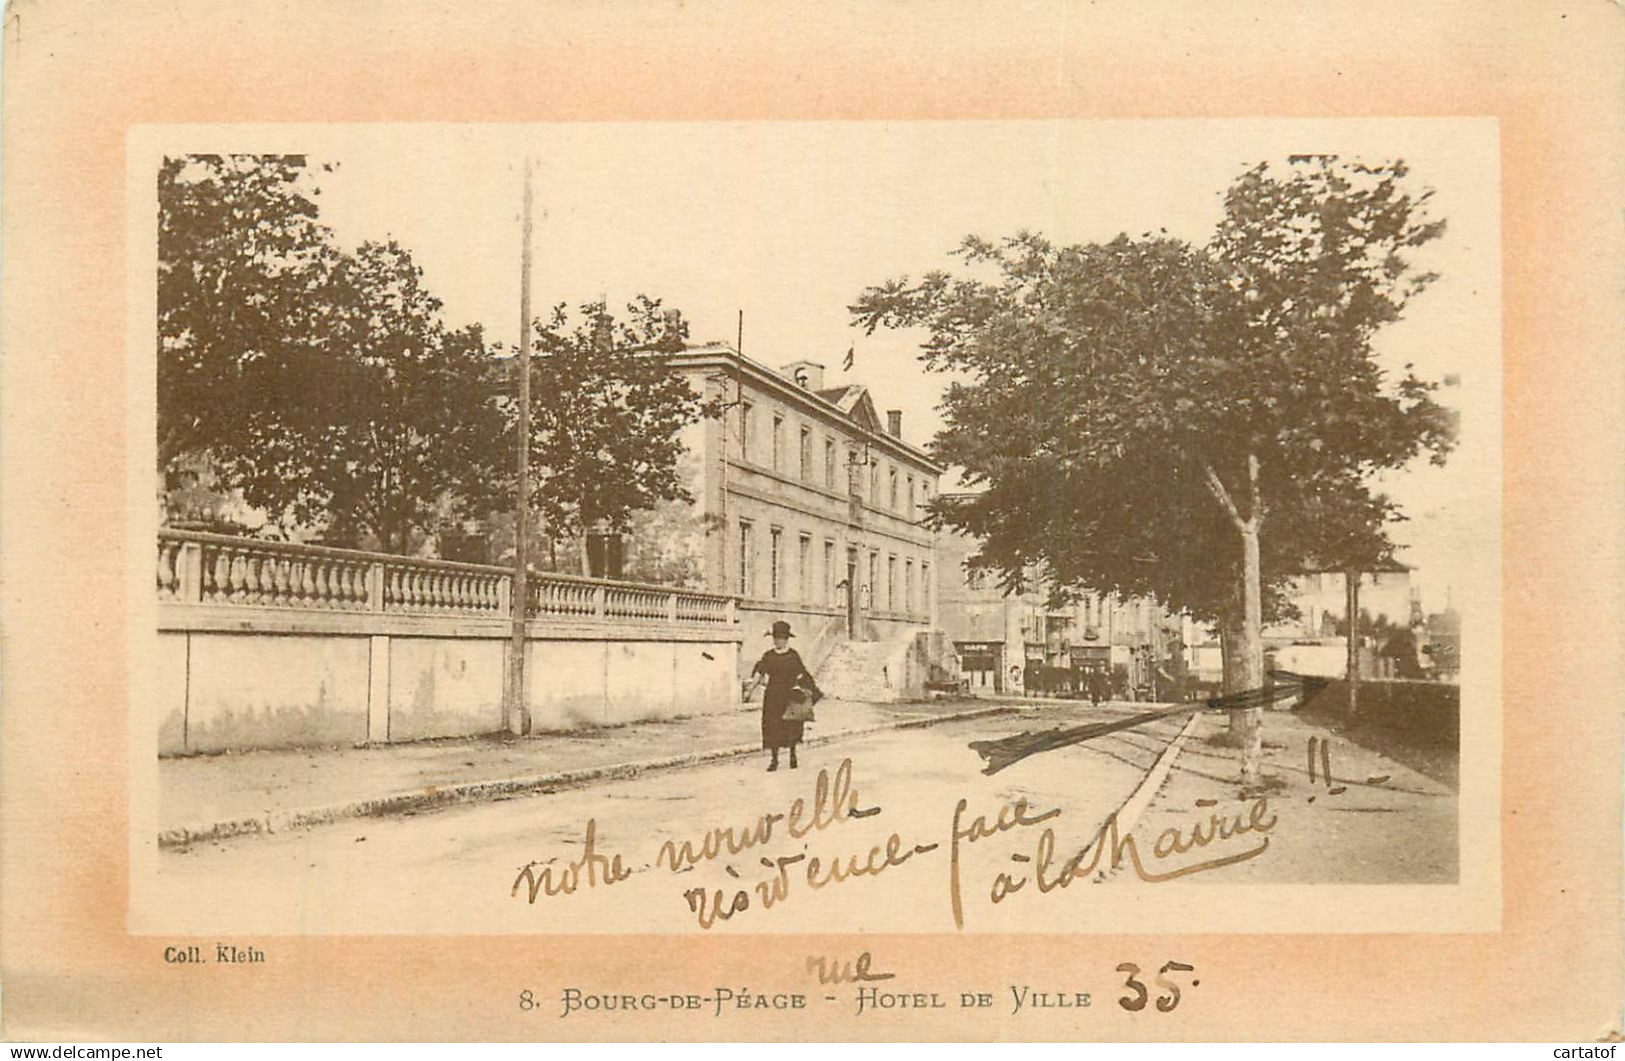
(320, 385)
(244, 299)
(608, 415)
(404, 435)
(1191, 423)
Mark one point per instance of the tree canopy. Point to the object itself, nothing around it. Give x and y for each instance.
(324, 386)
(244, 299)
(1112, 400)
(607, 415)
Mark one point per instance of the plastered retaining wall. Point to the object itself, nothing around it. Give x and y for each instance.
(274, 645)
(236, 690)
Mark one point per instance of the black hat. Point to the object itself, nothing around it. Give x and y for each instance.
(781, 629)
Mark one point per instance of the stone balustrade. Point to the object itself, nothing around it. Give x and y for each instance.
(271, 645)
(212, 569)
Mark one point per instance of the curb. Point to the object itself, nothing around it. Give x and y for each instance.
(479, 791)
(1129, 811)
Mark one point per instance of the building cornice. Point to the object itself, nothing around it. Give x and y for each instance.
(722, 356)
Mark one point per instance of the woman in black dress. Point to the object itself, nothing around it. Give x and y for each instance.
(781, 668)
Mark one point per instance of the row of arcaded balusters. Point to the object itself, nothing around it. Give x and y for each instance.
(701, 609)
(266, 578)
(240, 576)
(548, 597)
(634, 604)
(463, 591)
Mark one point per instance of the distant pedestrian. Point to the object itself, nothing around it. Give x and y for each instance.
(784, 672)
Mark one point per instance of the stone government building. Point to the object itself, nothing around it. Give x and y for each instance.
(809, 508)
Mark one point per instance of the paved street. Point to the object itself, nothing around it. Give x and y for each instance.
(722, 847)
(457, 869)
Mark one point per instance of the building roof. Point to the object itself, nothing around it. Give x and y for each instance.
(850, 402)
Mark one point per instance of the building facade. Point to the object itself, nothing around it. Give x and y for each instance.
(1321, 598)
(1315, 642)
(1018, 643)
(808, 506)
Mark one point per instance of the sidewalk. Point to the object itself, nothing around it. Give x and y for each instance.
(210, 797)
(1388, 825)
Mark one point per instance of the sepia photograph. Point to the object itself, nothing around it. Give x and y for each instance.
(851, 523)
(613, 528)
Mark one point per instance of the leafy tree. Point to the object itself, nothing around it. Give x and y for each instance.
(320, 386)
(404, 436)
(607, 413)
(244, 301)
(1190, 423)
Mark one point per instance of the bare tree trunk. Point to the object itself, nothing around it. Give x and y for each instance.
(1241, 630)
(1249, 658)
(1351, 593)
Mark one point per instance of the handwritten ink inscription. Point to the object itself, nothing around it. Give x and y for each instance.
(758, 878)
(1137, 995)
(833, 971)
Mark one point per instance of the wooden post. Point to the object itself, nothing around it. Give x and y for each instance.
(1351, 593)
(515, 709)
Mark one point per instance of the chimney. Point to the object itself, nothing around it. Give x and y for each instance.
(673, 328)
(603, 330)
(807, 374)
(894, 422)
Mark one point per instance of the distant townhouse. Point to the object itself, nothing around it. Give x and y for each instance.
(1018, 642)
(1394, 635)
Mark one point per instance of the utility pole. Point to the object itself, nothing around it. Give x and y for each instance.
(1351, 593)
(515, 709)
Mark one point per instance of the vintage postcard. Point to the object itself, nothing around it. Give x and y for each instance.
(1071, 526)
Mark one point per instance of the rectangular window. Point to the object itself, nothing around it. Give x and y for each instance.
(829, 573)
(874, 578)
(925, 588)
(775, 537)
(911, 513)
(778, 443)
(804, 569)
(806, 454)
(746, 555)
(854, 480)
(744, 430)
(891, 478)
(908, 586)
(874, 483)
(829, 464)
(891, 583)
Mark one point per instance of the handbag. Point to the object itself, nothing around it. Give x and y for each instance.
(800, 707)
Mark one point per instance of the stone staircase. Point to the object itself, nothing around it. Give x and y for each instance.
(855, 670)
(875, 671)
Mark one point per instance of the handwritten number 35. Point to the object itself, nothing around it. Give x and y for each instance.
(1136, 1000)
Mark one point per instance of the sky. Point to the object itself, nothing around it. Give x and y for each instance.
(789, 222)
